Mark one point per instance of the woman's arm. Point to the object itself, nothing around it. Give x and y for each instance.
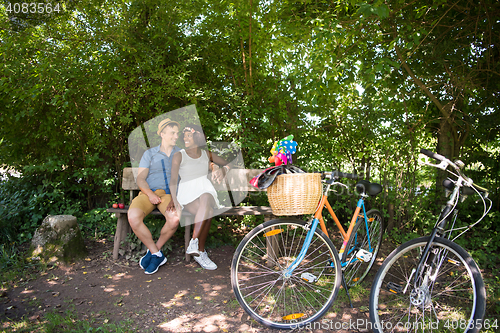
(174, 178)
(217, 160)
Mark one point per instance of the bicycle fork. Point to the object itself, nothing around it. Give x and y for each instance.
(287, 273)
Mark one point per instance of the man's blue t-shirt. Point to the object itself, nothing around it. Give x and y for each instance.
(159, 165)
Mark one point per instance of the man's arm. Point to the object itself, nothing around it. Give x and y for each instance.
(144, 187)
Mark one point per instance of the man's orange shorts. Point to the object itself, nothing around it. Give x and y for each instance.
(142, 202)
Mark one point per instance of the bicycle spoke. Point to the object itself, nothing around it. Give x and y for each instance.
(362, 247)
(270, 294)
(445, 288)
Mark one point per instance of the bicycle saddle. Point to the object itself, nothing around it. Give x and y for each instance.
(364, 186)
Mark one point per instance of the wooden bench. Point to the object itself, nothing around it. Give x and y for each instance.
(236, 183)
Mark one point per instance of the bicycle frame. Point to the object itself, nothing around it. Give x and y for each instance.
(318, 219)
(439, 229)
(449, 210)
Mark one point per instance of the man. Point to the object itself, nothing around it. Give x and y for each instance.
(153, 180)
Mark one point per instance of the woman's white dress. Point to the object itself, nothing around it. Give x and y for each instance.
(194, 179)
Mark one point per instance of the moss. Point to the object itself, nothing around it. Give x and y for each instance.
(68, 247)
(74, 249)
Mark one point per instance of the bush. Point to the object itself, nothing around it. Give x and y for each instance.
(96, 223)
(24, 202)
(42, 191)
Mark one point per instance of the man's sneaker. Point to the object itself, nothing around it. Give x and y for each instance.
(193, 247)
(205, 261)
(155, 263)
(144, 262)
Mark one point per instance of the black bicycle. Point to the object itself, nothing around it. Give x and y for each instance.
(431, 284)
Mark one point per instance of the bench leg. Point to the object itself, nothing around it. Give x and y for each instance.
(187, 235)
(122, 230)
(272, 248)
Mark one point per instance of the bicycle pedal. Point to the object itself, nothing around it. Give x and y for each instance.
(308, 277)
(364, 255)
(394, 288)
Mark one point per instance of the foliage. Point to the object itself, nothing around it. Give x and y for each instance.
(361, 86)
(96, 223)
(15, 266)
(26, 201)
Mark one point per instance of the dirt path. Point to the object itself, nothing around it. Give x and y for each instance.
(180, 297)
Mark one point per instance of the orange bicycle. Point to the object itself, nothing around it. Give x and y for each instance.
(286, 272)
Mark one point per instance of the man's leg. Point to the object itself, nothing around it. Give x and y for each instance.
(171, 220)
(171, 224)
(136, 221)
(154, 258)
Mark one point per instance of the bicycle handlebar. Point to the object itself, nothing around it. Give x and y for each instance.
(337, 175)
(433, 155)
(455, 166)
(468, 188)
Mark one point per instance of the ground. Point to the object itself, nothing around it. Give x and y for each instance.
(180, 297)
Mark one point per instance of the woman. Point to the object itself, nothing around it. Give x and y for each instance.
(195, 191)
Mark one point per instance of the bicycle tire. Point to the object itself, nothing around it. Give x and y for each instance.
(357, 269)
(454, 302)
(262, 289)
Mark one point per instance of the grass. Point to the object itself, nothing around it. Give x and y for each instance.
(15, 268)
(356, 293)
(66, 322)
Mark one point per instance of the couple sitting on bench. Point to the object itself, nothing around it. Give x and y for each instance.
(159, 171)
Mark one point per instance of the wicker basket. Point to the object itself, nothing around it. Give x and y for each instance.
(295, 193)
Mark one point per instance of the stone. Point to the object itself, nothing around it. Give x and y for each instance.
(59, 237)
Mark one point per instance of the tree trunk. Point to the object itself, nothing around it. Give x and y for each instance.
(391, 222)
(445, 147)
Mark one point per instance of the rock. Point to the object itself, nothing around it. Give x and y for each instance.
(59, 236)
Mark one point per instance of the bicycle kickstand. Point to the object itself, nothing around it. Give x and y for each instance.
(346, 289)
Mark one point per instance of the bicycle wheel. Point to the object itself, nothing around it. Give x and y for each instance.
(263, 290)
(448, 295)
(362, 247)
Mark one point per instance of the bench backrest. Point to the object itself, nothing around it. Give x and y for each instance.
(236, 180)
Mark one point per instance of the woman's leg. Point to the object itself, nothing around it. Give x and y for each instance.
(193, 208)
(203, 234)
(207, 201)
(202, 208)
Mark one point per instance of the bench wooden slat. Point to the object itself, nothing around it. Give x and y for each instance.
(237, 180)
(240, 210)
